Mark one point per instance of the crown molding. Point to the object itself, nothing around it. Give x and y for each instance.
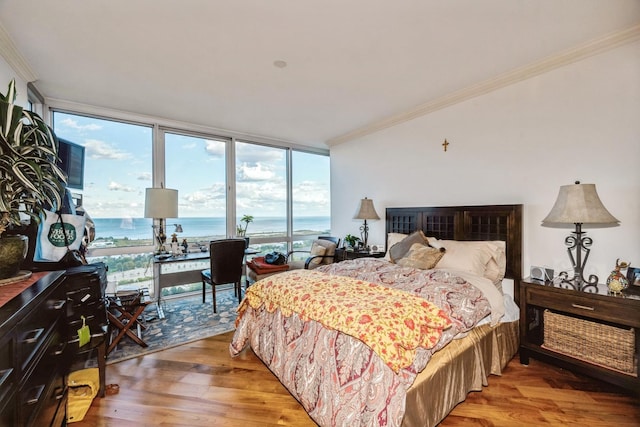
(14, 58)
(593, 47)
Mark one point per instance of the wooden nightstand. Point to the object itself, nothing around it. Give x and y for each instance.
(597, 313)
(343, 255)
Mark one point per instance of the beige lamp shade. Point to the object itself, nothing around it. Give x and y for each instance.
(579, 204)
(161, 203)
(367, 210)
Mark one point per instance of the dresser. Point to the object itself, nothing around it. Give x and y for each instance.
(33, 342)
(596, 334)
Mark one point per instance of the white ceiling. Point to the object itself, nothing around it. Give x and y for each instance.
(351, 64)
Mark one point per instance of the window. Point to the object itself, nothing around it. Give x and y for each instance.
(117, 169)
(219, 180)
(261, 190)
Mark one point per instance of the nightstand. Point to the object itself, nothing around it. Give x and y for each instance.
(343, 254)
(595, 334)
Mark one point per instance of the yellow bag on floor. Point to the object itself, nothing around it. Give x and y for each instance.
(83, 387)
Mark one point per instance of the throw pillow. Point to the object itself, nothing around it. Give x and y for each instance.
(400, 249)
(319, 251)
(392, 239)
(421, 256)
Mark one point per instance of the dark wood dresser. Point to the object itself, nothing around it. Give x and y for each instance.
(33, 366)
(596, 334)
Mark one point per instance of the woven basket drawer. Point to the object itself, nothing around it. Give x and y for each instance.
(593, 342)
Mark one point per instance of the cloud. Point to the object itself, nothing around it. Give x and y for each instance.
(253, 154)
(70, 123)
(101, 150)
(259, 172)
(144, 176)
(115, 186)
(215, 149)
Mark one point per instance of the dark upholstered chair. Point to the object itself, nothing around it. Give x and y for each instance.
(326, 244)
(226, 257)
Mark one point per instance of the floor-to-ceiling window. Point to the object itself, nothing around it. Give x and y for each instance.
(117, 169)
(311, 208)
(219, 179)
(195, 165)
(261, 192)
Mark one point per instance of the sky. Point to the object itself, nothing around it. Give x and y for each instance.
(118, 168)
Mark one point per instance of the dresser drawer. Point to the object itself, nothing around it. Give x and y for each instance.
(45, 387)
(7, 371)
(603, 308)
(37, 327)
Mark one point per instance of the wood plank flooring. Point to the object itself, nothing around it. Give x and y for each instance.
(199, 384)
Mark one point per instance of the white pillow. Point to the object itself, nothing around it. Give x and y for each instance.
(392, 239)
(469, 256)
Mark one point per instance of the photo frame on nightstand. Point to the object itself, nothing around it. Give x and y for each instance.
(633, 275)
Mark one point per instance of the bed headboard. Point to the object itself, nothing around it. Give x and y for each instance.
(490, 222)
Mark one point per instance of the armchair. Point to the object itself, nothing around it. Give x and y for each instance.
(322, 252)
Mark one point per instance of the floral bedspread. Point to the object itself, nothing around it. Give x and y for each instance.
(393, 323)
(337, 378)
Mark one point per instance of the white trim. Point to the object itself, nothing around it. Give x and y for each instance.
(14, 58)
(593, 47)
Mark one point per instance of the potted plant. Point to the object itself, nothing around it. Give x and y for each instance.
(30, 178)
(242, 231)
(351, 240)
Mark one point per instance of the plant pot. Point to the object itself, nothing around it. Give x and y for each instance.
(13, 250)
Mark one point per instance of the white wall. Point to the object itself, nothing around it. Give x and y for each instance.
(6, 74)
(514, 145)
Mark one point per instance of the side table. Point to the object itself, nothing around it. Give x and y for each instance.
(343, 254)
(578, 325)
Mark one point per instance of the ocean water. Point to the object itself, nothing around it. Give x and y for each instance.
(140, 228)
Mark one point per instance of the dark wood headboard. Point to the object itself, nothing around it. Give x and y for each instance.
(491, 222)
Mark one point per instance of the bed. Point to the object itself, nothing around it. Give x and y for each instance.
(469, 328)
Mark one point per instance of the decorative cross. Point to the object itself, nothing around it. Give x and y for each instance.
(445, 144)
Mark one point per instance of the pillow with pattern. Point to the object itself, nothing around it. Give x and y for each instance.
(421, 256)
(400, 249)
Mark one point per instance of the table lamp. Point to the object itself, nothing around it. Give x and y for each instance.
(576, 205)
(366, 211)
(161, 203)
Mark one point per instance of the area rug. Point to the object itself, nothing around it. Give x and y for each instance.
(186, 319)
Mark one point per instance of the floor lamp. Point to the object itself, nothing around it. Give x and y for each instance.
(160, 203)
(576, 205)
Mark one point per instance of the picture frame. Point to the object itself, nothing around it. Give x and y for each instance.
(633, 275)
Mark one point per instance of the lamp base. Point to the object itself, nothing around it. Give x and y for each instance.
(577, 282)
(579, 243)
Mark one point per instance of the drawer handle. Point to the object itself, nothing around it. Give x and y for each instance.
(57, 305)
(60, 349)
(32, 336)
(37, 391)
(4, 375)
(59, 391)
(583, 307)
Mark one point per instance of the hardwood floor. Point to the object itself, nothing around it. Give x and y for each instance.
(199, 384)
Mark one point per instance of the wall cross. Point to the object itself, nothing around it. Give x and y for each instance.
(445, 144)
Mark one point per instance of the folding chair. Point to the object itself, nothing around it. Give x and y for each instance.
(124, 311)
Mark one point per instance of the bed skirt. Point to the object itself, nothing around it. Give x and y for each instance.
(462, 366)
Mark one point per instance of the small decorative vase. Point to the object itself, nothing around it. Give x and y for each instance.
(617, 282)
(13, 250)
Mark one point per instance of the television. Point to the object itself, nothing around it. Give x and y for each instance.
(71, 161)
